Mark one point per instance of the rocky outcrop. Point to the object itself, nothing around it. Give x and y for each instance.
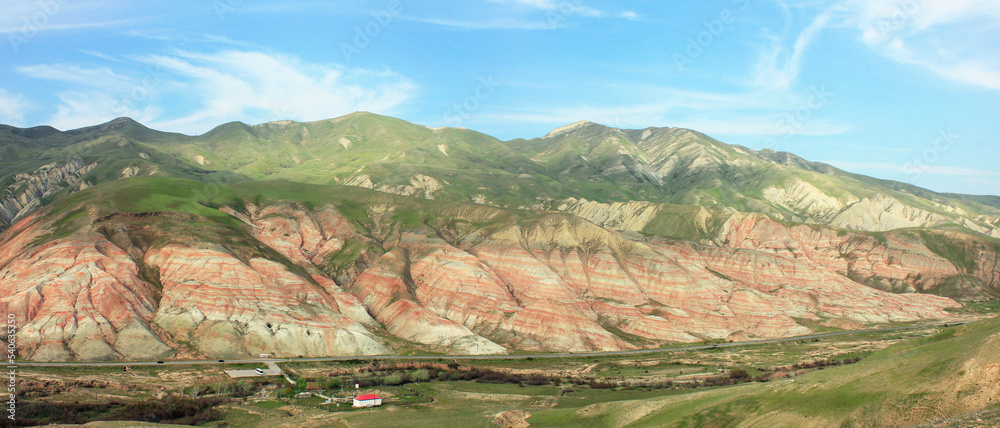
(85, 298)
(883, 213)
(78, 298)
(805, 199)
(898, 261)
(877, 213)
(404, 302)
(224, 306)
(623, 216)
(422, 186)
(22, 196)
(810, 291)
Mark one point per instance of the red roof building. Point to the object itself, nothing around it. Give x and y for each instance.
(367, 400)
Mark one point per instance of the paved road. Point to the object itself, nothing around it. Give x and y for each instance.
(488, 357)
(271, 370)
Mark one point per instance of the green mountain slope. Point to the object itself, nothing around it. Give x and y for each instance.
(681, 166)
(584, 161)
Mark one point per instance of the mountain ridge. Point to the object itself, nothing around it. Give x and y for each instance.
(583, 159)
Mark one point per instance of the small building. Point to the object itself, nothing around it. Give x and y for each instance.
(367, 400)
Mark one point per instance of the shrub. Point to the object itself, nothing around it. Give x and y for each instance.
(739, 375)
(421, 375)
(333, 383)
(393, 379)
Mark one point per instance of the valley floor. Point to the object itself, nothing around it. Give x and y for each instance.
(710, 387)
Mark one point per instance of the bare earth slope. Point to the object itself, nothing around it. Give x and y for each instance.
(339, 278)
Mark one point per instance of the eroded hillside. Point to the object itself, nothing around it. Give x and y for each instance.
(345, 271)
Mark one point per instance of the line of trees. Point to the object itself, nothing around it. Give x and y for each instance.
(375, 374)
(169, 410)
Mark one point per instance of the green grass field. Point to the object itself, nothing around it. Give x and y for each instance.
(909, 383)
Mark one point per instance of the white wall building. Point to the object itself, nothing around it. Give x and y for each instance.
(367, 400)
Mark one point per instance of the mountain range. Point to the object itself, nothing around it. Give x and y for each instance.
(367, 234)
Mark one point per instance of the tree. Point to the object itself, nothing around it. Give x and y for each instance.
(739, 375)
(333, 383)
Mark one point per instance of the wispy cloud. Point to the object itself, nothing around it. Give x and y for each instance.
(565, 7)
(260, 86)
(100, 55)
(85, 108)
(779, 63)
(489, 24)
(520, 15)
(630, 15)
(251, 86)
(98, 94)
(99, 77)
(26, 18)
(952, 38)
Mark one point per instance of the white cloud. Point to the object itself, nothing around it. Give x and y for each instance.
(955, 39)
(630, 15)
(78, 109)
(99, 94)
(205, 90)
(258, 86)
(972, 71)
(12, 108)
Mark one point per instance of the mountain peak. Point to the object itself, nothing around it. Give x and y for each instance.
(568, 128)
(117, 124)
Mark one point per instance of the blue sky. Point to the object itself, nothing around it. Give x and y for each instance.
(906, 90)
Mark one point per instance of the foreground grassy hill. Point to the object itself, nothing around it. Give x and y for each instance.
(949, 375)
